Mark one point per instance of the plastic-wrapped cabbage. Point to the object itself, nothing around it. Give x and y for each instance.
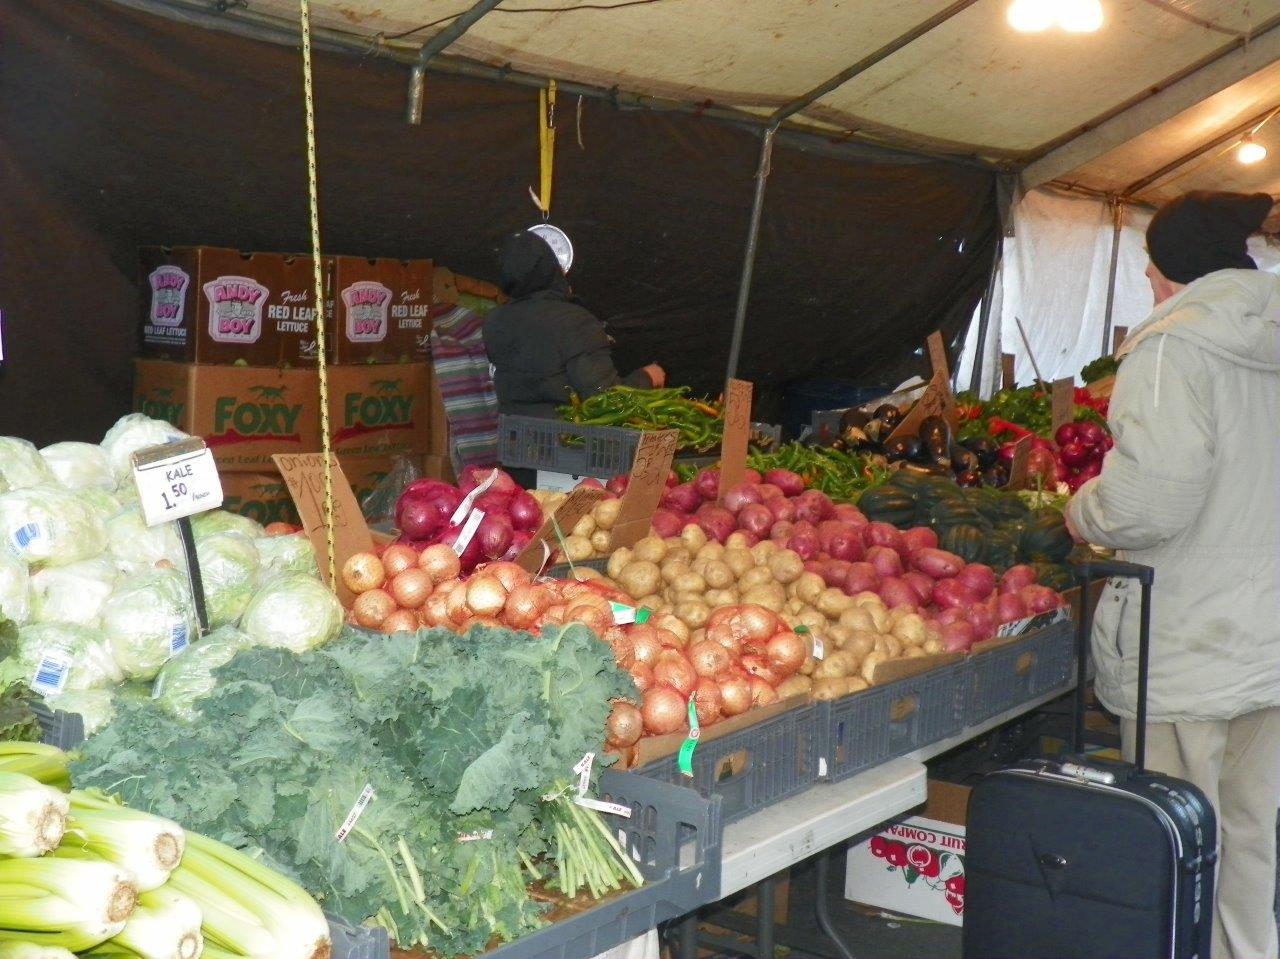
(74, 593)
(289, 553)
(51, 526)
(134, 432)
(189, 675)
(15, 590)
(229, 573)
(294, 612)
(135, 546)
(95, 706)
(80, 466)
(21, 465)
(148, 618)
(221, 521)
(54, 657)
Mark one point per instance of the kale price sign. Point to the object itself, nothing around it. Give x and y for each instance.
(176, 480)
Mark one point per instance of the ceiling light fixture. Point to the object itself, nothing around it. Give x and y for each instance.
(1250, 151)
(1073, 16)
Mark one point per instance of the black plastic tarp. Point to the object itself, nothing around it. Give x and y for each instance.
(122, 129)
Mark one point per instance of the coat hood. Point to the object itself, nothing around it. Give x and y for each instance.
(1234, 314)
(527, 265)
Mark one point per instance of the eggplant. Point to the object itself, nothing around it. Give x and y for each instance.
(996, 475)
(969, 477)
(854, 417)
(888, 414)
(935, 428)
(904, 448)
(987, 450)
(963, 460)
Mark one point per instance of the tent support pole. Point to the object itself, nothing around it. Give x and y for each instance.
(984, 318)
(753, 243)
(1117, 212)
(437, 43)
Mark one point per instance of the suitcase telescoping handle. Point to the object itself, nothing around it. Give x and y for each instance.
(1145, 575)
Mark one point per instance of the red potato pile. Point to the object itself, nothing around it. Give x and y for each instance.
(425, 509)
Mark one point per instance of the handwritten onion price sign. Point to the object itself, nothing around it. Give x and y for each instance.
(176, 480)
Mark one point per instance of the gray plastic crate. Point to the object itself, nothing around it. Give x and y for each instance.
(531, 442)
(1018, 673)
(675, 836)
(61, 729)
(888, 721)
(753, 767)
(357, 942)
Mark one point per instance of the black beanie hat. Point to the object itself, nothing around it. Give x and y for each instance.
(526, 264)
(1203, 231)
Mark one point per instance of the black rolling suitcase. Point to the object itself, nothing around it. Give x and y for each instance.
(1087, 859)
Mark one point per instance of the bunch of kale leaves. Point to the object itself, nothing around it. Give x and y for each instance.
(459, 736)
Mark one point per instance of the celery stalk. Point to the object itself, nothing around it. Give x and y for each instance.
(29, 950)
(166, 925)
(146, 845)
(46, 764)
(248, 907)
(33, 816)
(58, 902)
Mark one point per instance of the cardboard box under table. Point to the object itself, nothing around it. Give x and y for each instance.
(915, 866)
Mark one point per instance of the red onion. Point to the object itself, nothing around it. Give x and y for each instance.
(473, 476)
(495, 535)
(525, 512)
(418, 519)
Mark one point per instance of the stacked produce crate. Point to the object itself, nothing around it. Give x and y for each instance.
(229, 352)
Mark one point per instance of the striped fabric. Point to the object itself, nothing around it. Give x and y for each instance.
(466, 386)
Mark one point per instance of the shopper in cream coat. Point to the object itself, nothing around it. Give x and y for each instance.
(1192, 488)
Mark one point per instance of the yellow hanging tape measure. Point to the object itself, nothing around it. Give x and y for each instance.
(547, 143)
(322, 369)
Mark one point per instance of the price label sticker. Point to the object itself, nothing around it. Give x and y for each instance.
(353, 817)
(179, 638)
(583, 769)
(470, 499)
(623, 615)
(819, 647)
(599, 805)
(52, 672)
(1063, 401)
(468, 531)
(478, 836)
(685, 759)
(171, 487)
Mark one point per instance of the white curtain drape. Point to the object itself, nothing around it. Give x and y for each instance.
(1054, 279)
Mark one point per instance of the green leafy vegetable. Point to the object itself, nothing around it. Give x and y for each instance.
(458, 736)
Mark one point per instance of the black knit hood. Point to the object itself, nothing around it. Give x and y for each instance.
(527, 265)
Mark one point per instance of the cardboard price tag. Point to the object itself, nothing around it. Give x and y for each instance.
(1064, 401)
(1118, 336)
(737, 433)
(576, 505)
(176, 480)
(1007, 377)
(937, 400)
(304, 476)
(1018, 468)
(648, 480)
(937, 355)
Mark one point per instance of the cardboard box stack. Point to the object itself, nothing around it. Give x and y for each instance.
(228, 352)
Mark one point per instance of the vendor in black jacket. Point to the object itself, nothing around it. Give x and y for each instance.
(542, 344)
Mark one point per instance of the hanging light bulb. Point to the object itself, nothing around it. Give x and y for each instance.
(1250, 152)
(1031, 16)
(1079, 16)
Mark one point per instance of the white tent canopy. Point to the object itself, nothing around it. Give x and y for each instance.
(1147, 107)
